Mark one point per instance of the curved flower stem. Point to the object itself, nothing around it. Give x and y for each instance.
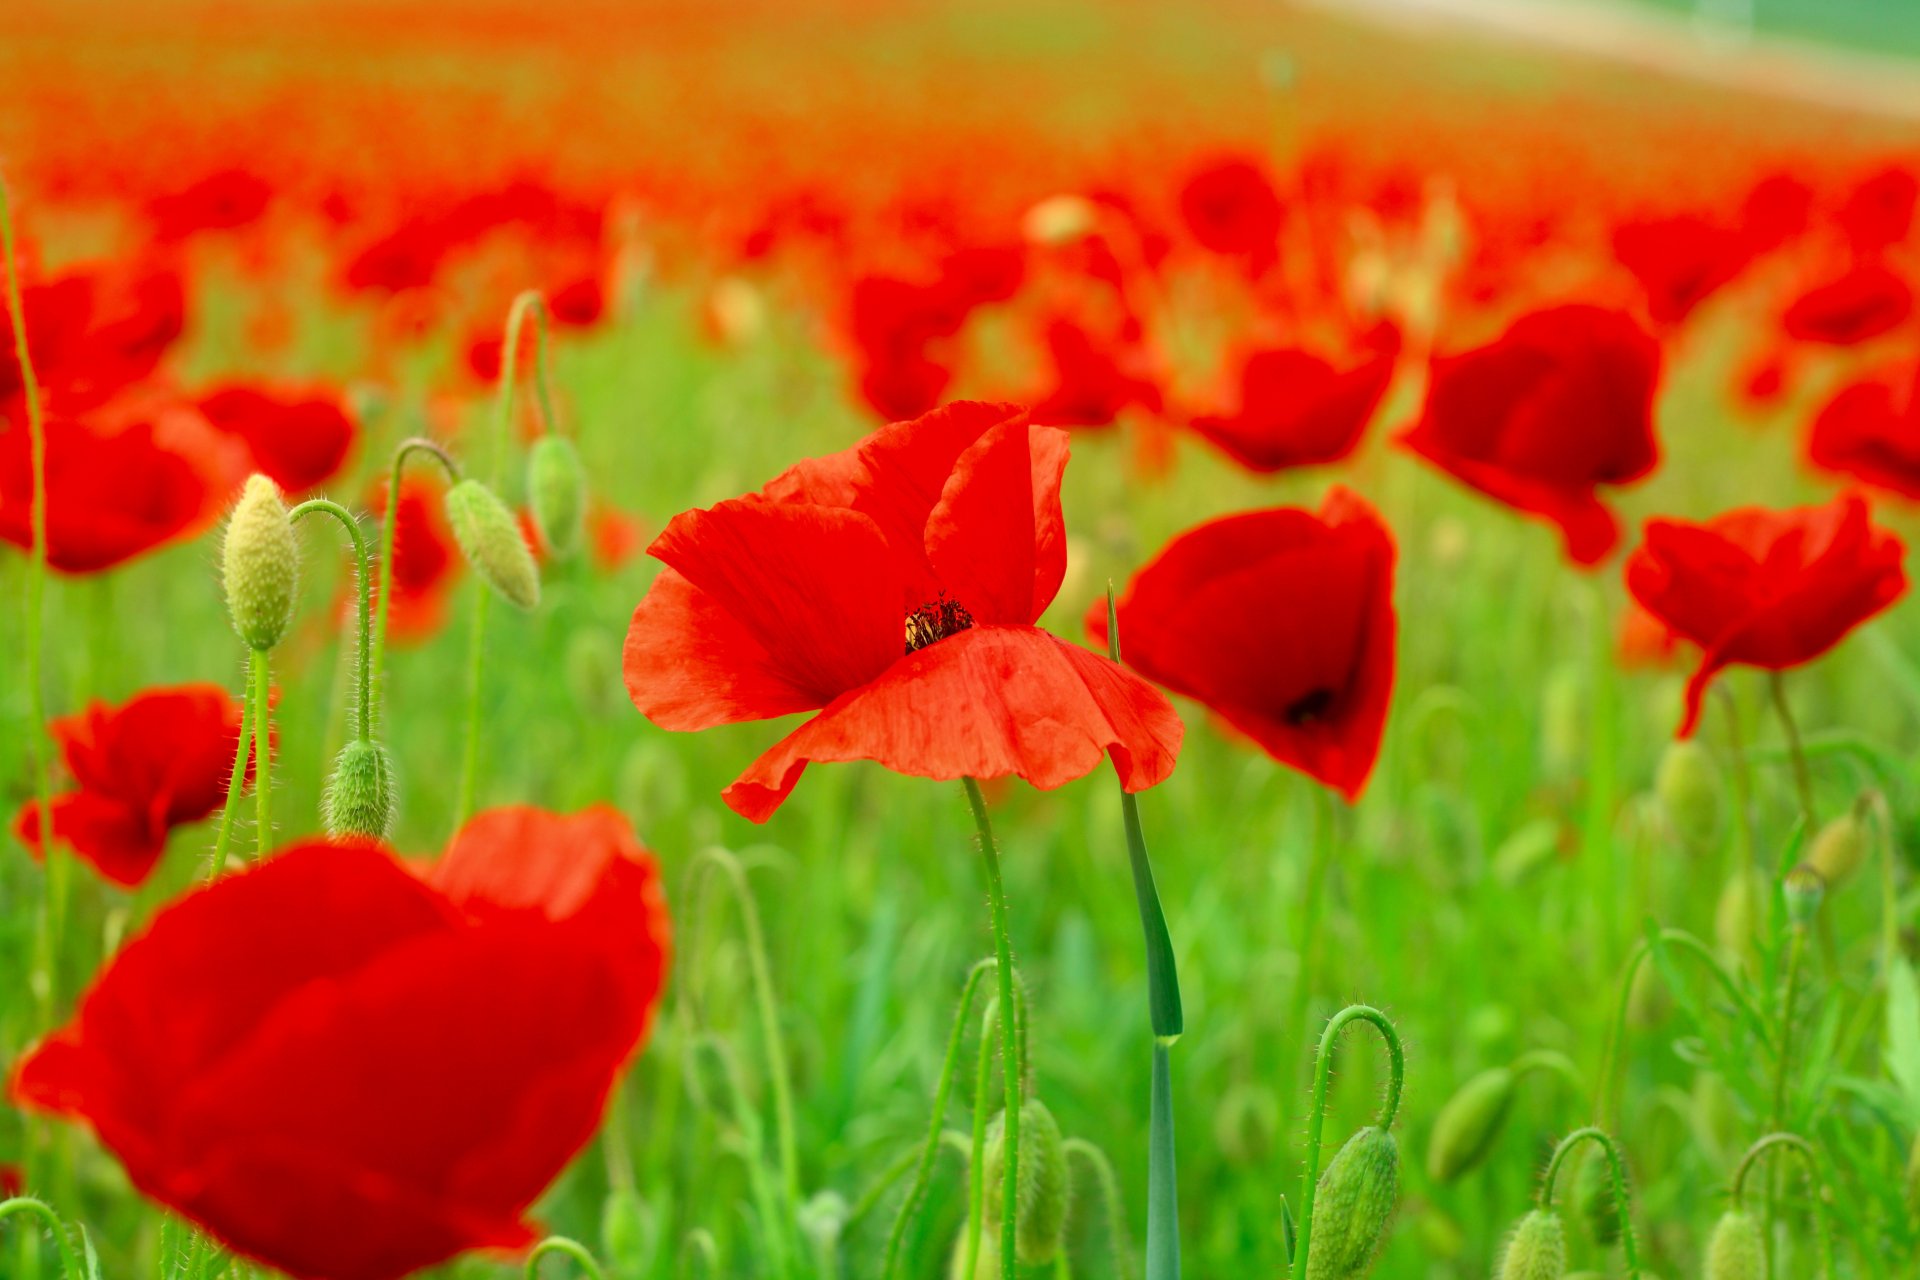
(408, 447)
(236, 781)
(69, 1261)
(470, 751)
(528, 300)
(570, 1248)
(263, 758)
(1617, 1172)
(1110, 1200)
(1790, 992)
(1317, 1118)
(1012, 1050)
(1802, 777)
(1816, 1186)
(1548, 1060)
(363, 726)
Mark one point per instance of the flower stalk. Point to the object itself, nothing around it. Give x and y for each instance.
(1011, 1047)
(1317, 1117)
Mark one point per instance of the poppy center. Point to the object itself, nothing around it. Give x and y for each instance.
(1310, 707)
(935, 620)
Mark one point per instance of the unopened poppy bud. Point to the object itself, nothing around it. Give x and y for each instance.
(358, 803)
(1733, 915)
(1465, 1130)
(557, 491)
(628, 1226)
(1736, 1251)
(1537, 1250)
(1058, 220)
(1688, 786)
(1353, 1206)
(1839, 849)
(259, 566)
(1042, 1187)
(1803, 889)
(490, 538)
(1593, 1196)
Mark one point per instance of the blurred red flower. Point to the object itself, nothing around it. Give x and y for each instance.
(1761, 588)
(221, 201)
(1867, 301)
(426, 560)
(1281, 622)
(294, 1057)
(1091, 382)
(893, 587)
(1878, 213)
(1680, 261)
(299, 439)
(1561, 404)
(1296, 409)
(92, 332)
(1230, 207)
(158, 761)
(1870, 430)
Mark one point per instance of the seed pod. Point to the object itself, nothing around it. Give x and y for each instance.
(557, 491)
(259, 566)
(490, 538)
(1593, 1198)
(1465, 1130)
(1803, 889)
(1043, 1186)
(1736, 1251)
(1689, 788)
(1537, 1249)
(1839, 849)
(1353, 1206)
(358, 803)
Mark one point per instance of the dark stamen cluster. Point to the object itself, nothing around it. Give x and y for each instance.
(937, 619)
(1310, 707)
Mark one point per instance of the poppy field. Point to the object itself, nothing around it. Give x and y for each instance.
(856, 641)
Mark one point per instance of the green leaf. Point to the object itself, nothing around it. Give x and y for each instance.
(1903, 1032)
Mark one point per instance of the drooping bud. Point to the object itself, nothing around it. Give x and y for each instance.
(1803, 889)
(1593, 1196)
(1537, 1250)
(1689, 787)
(358, 803)
(557, 491)
(1353, 1206)
(259, 565)
(1465, 1130)
(1733, 915)
(1043, 1186)
(1736, 1250)
(490, 538)
(1839, 849)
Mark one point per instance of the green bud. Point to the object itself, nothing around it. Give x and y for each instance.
(1839, 849)
(1465, 1130)
(1043, 1186)
(1733, 915)
(557, 491)
(1689, 787)
(1353, 1206)
(1593, 1196)
(1803, 889)
(490, 538)
(259, 565)
(629, 1228)
(358, 802)
(1736, 1251)
(1537, 1250)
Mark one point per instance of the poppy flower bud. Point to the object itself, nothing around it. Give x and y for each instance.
(556, 489)
(259, 566)
(629, 1227)
(358, 803)
(1839, 849)
(1733, 915)
(1803, 889)
(1465, 1130)
(490, 538)
(1735, 1250)
(1353, 1206)
(1043, 1187)
(1593, 1196)
(1537, 1250)
(1688, 786)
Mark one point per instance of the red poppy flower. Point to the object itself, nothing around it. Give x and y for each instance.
(1770, 589)
(426, 560)
(1680, 261)
(1281, 622)
(1864, 303)
(1296, 409)
(1092, 382)
(1645, 641)
(13, 1181)
(1778, 209)
(161, 760)
(220, 201)
(1231, 208)
(349, 1070)
(93, 332)
(299, 440)
(1871, 431)
(893, 587)
(1879, 212)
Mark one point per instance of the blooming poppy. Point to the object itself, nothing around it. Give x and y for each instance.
(92, 332)
(1680, 261)
(1091, 382)
(1281, 622)
(159, 761)
(1230, 208)
(1297, 409)
(1870, 430)
(349, 1069)
(1559, 405)
(300, 440)
(1867, 301)
(893, 588)
(1762, 588)
(1879, 212)
(221, 201)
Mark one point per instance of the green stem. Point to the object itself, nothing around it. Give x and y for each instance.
(1010, 1045)
(1816, 1187)
(263, 758)
(570, 1248)
(470, 752)
(1163, 1192)
(417, 444)
(1795, 946)
(976, 1157)
(364, 719)
(1317, 1118)
(69, 1261)
(1802, 777)
(528, 300)
(237, 780)
(1110, 1199)
(1617, 1172)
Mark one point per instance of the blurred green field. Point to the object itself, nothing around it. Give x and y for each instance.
(1882, 26)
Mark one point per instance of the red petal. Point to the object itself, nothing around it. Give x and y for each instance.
(690, 664)
(997, 539)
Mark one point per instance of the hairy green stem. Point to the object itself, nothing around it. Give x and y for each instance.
(526, 301)
(1816, 1187)
(1317, 1117)
(237, 780)
(1802, 776)
(1617, 1174)
(1011, 1048)
(388, 529)
(976, 1156)
(69, 1260)
(470, 751)
(263, 758)
(363, 722)
(569, 1248)
(1110, 1199)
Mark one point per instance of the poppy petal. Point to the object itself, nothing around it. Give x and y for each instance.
(1002, 566)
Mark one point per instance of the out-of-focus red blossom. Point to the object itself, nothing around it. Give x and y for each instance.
(577, 303)
(1680, 261)
(13, 1181)
(893, 588)
(1231, 208)
(1867, 301)
(293, 1057)
(407, 257)
(1091, 382)
(1765, 380)
(893, 321)
(93, 332)
(1762, 588)
(1870, 430)
(1779, 208)
(221, 201)
(426, 560)
(1559, 405)
(1878, 213)
(300, 439)
(1645, 642)
(1296, 409)
(159, 761)
(1282, 623)
(614, 536)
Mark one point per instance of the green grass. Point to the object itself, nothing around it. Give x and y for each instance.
(1879, 26)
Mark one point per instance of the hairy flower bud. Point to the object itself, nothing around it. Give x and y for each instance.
(358, 803)
(1735, 1251)
(557, 491)
(490, 538)
(1689, 789)
(1537, 1250)
(259, 566)
(1839, 849)
(1593, 1197)
(1465, 1130)
(1803, 889)
(1042, 1188)
(1353, 1206)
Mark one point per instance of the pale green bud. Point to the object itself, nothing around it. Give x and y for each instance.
(1689, 787)
(1736, 1250)
(1042, 1186)
(358, 803)
(1353, 1206)
(1803, 890)
(1839, 849)
(557, 492)
(1468, 1124)
(259, 565)
(490, 538)
(1537, 1250)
